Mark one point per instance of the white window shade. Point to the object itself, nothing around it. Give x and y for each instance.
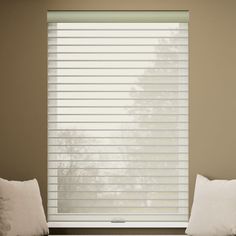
(117, 121)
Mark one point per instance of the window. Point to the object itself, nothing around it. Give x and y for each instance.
(118, 119)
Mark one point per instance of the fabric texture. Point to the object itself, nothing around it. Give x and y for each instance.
(21, 210)
(214, 208)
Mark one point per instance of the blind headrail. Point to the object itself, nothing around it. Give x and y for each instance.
(118, 16)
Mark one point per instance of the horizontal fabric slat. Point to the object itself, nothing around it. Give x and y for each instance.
(117, 80)
(117, 87)
(118, 188)
(115, 180)
(117, 72)
(118, 141)
(118, 33)
(115, 165)
(120, 157)
(119, 103)
(118, 133)
(119, 110)
(126, 25)
(117, 125)
(119, 64)
(118, 48)
(123, 210)
(133, 95)
(120, 172)
(118, 203)
(117, 41)
(120, 119)
(117, 120)
(119, 196)
(118, 56)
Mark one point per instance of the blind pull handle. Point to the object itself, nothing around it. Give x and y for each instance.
(118, 220)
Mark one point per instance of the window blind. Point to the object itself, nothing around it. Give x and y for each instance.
(117, 118)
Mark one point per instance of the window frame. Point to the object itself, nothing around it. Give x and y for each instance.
(68, 16)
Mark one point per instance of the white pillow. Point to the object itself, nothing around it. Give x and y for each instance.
(214, 208)
(21, 210)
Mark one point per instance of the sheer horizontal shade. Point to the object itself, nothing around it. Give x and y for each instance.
(118, 116)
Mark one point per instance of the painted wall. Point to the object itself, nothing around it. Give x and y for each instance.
(23, 88)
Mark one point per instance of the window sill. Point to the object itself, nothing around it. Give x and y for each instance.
(117, 225)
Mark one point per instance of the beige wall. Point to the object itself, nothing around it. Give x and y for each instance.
(23, 87)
